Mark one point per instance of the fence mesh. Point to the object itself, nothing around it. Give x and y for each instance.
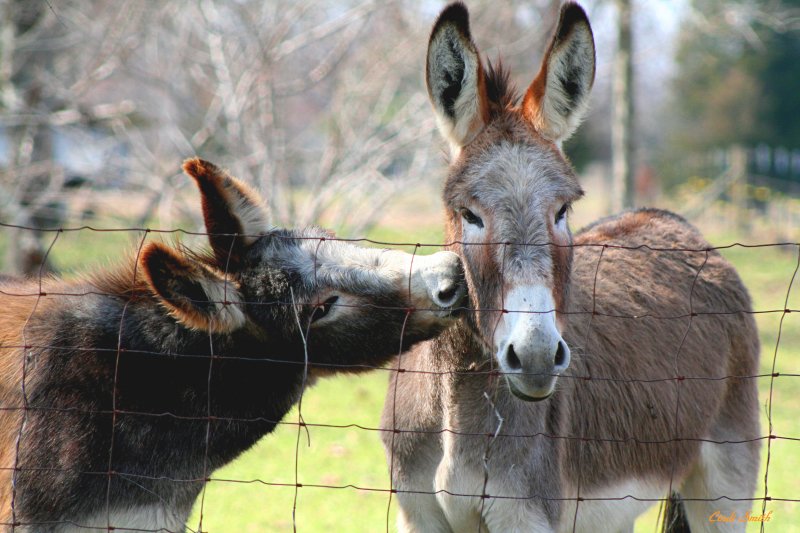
(21, 357)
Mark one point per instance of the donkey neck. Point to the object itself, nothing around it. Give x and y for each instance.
(459, 349)
(474, 393)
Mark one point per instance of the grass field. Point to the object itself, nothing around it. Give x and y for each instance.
(256, 493)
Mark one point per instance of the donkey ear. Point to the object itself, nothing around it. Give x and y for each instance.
(558, 98)
(455, 79)
(197, 297)
(234, 214)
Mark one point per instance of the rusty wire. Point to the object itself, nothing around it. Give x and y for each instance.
(677, 379)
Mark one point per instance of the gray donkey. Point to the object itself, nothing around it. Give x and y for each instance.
(586, 385)
(123, 391)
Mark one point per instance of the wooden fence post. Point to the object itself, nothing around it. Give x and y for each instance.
(738, 169)
(622, 171)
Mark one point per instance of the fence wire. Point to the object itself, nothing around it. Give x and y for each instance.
(39, 287)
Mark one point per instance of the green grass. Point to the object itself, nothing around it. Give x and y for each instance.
(256, 492)
(340, 457)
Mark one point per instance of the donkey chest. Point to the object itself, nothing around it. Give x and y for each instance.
(482, 478)
(505, 494)
(483, 484)
(468, 444)
(498, 469)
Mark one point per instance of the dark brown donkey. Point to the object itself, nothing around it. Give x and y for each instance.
(609, 375)
(136, 384)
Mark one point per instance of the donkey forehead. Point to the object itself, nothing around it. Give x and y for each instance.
(517, 174)
(516, 184)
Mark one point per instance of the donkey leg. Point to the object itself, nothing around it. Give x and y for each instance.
(520, 508)
(420, 514)
(514, 516)
(411, 421)
(419, 510)
(726, 470)
(716, 493)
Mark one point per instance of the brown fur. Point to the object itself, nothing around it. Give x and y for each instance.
(217, 189)
(20, 302)
(663, 284)
(534, 95)
(163, 268)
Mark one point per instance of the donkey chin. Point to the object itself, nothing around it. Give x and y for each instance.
(530, 351)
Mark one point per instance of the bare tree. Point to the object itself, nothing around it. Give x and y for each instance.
(319, 105)
(35, 100)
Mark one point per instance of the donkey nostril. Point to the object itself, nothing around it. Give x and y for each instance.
(561, 354)
(447, 294)
(511, 358)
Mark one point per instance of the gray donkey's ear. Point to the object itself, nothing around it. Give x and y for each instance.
(557, 100)
(234, 214)
(455, 79)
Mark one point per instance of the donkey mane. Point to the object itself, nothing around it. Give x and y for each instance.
(500, 90)
(124, 279)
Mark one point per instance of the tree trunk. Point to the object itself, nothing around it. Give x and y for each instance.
(622, 189)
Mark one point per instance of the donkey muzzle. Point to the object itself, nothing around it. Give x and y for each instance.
(531, 353)
(437, 285)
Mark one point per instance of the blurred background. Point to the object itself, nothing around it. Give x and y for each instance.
(321, 106)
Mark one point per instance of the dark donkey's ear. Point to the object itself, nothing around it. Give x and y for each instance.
(229, 207)
(196, 296)
(557, 100)
(455, 79)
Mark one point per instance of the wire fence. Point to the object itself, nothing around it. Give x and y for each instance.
(22, 356)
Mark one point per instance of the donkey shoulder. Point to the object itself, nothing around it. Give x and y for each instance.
(646, 227)
(657, 262)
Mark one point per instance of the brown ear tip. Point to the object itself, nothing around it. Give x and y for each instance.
(151, 252)
(192, 165)
(199, 168)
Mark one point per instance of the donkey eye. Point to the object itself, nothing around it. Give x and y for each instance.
(561, 213)
(471, 217)
(323, 309)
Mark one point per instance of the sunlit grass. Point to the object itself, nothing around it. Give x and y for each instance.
(339, 457)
